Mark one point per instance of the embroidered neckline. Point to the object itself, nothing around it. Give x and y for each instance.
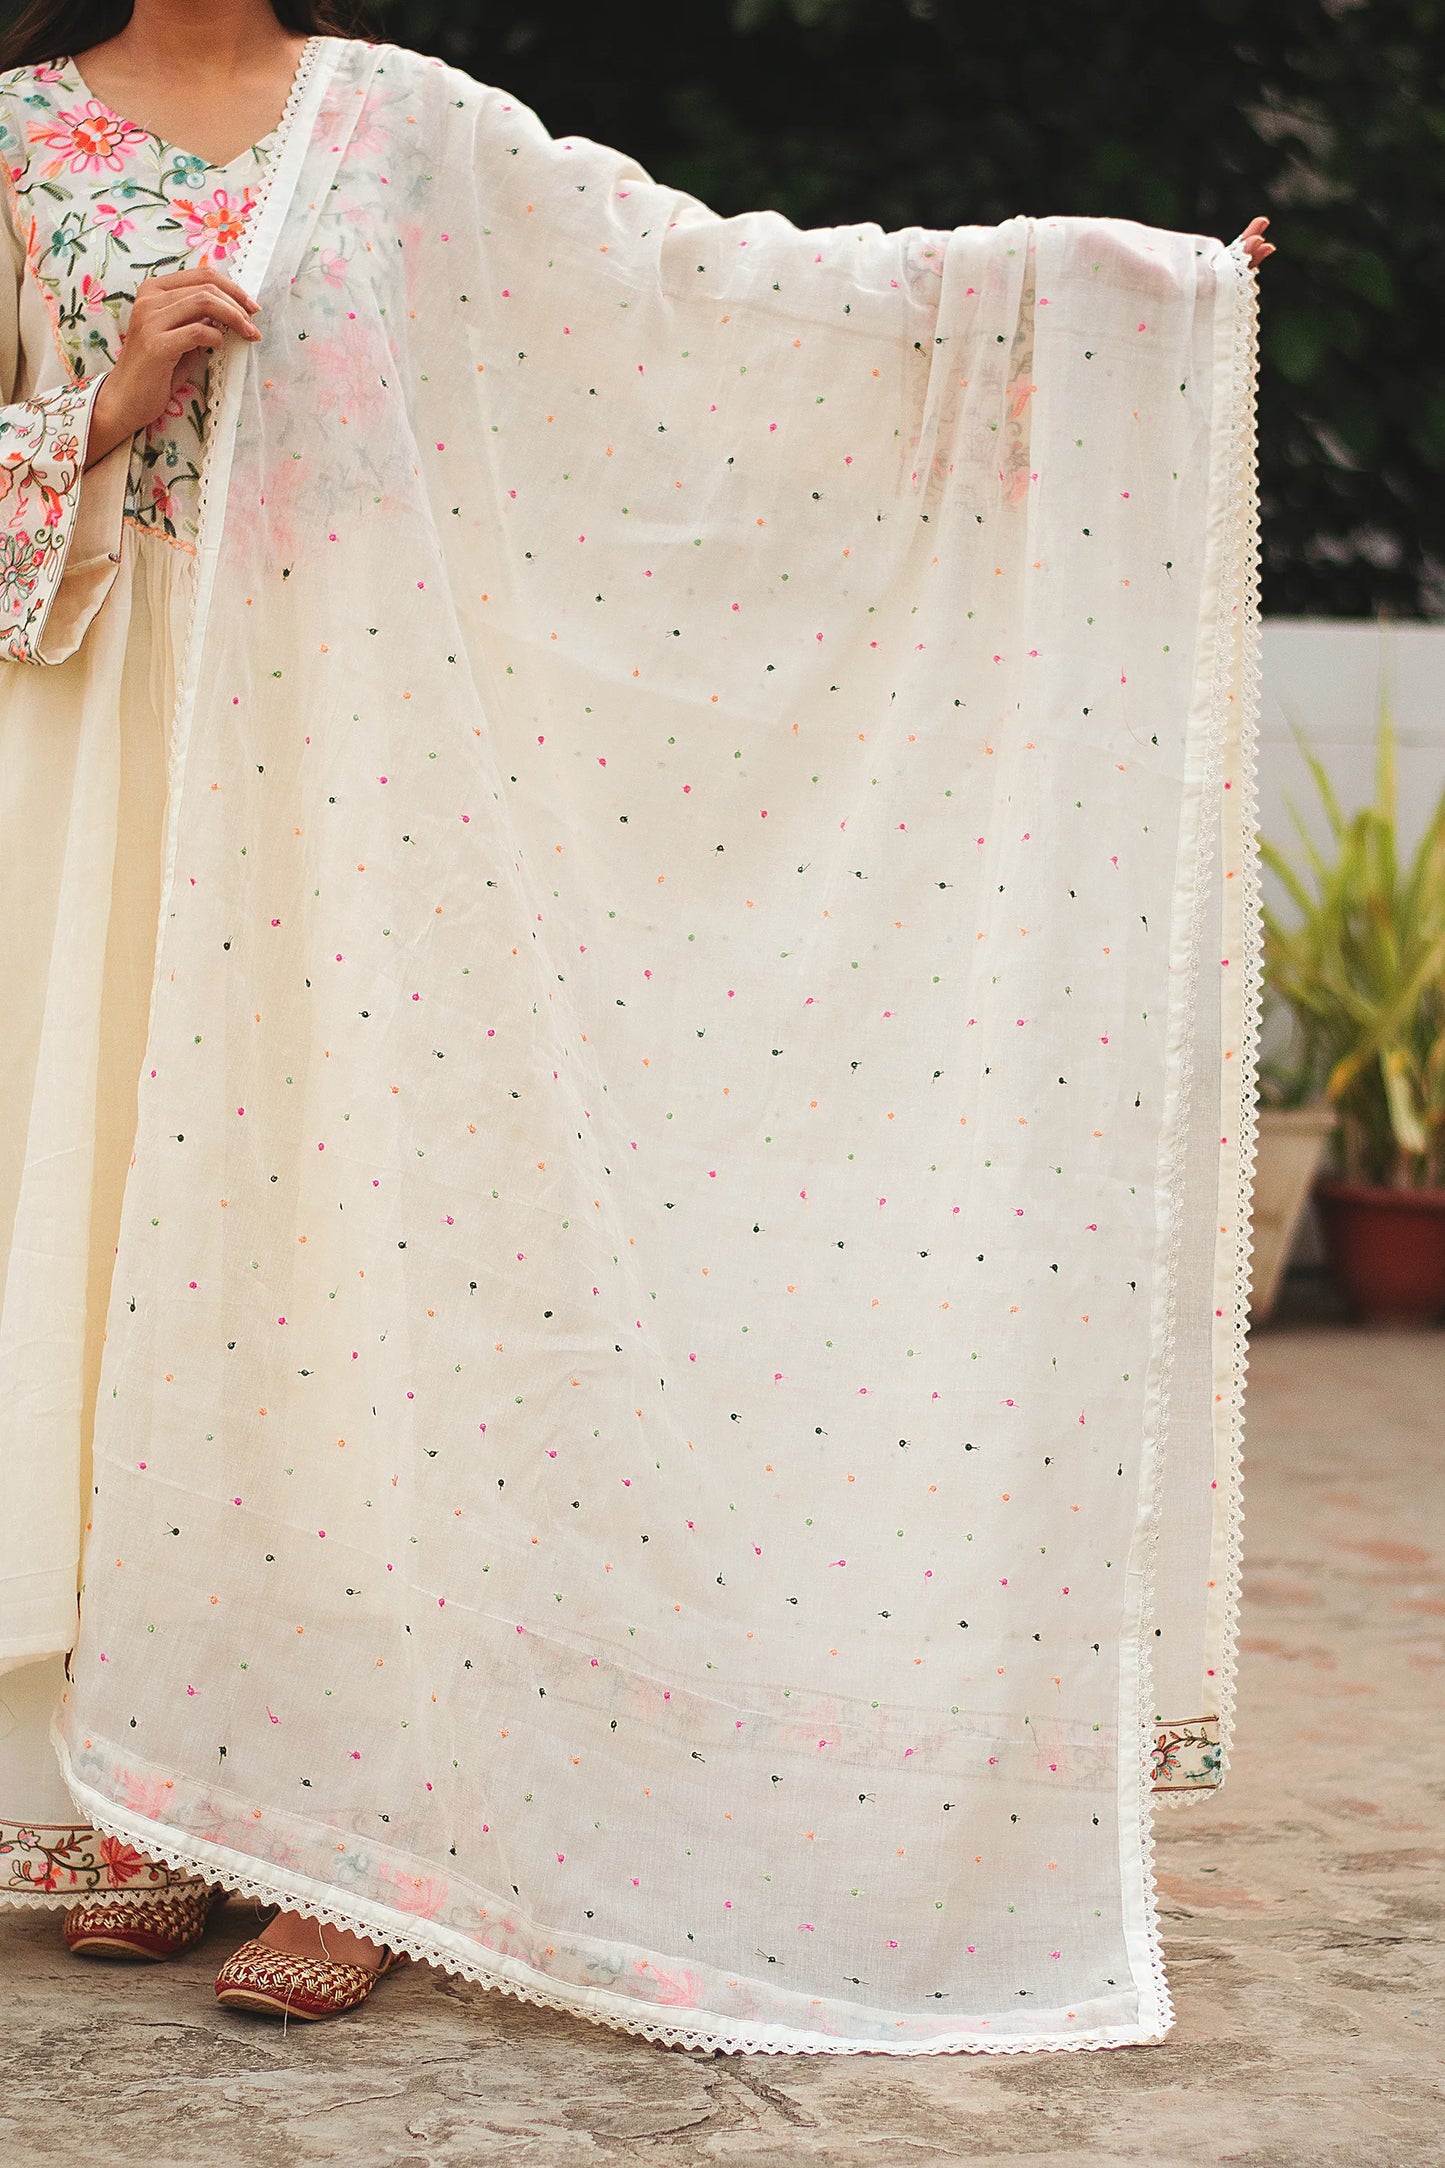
(177, 150)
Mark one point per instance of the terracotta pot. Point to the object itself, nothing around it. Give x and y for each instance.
(1387, 1247)
(1291, 1143)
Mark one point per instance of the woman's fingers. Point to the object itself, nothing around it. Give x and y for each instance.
(190, 338)
(201, 275)
(177, 319)
(198, 295)
(1255, 245)
(204, 305)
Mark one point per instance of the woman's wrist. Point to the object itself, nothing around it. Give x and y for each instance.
(107, 427)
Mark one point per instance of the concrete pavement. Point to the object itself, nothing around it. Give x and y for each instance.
(1302, 1911)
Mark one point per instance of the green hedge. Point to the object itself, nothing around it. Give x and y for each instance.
(1328, 117)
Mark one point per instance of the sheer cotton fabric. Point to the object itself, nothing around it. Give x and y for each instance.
(679, 1255)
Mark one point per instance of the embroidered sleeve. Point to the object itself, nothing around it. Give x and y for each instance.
(60, 527)
(42, 450)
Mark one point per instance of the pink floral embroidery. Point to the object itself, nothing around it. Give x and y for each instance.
(86, 139)
(122, 1861)
(414, 1893)
(111, 215)
(675, 1990)
(25, 560)
(214, 224)
(173, 409)
(37, 1860)
(146, 1794)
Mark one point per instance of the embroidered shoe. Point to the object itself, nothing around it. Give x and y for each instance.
(273, 1983)
(146, 1928)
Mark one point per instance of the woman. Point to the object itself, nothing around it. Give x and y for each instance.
(129, 589)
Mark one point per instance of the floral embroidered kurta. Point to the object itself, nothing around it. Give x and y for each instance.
(101, 205)
(94, 205)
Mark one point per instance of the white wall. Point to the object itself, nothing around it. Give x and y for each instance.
(1329, 675)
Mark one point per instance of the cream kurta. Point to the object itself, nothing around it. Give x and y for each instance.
(96, 204)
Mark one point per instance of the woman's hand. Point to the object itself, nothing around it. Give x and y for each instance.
(173, 319)
(1255, 245)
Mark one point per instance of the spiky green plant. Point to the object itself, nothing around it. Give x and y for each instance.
(1362, 972)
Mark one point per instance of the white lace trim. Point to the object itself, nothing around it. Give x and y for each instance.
(452, 1954)
(1239, 621)
(1244, 561)
(1205, 840)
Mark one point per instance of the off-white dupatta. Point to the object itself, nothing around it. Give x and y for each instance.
(670, 1418)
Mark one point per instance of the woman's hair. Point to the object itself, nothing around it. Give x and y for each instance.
(50, 29)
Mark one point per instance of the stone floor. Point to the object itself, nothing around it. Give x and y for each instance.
(1301, 1912)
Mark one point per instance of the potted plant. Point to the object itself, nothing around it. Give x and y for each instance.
(1362, 972)
(1292, 1134)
